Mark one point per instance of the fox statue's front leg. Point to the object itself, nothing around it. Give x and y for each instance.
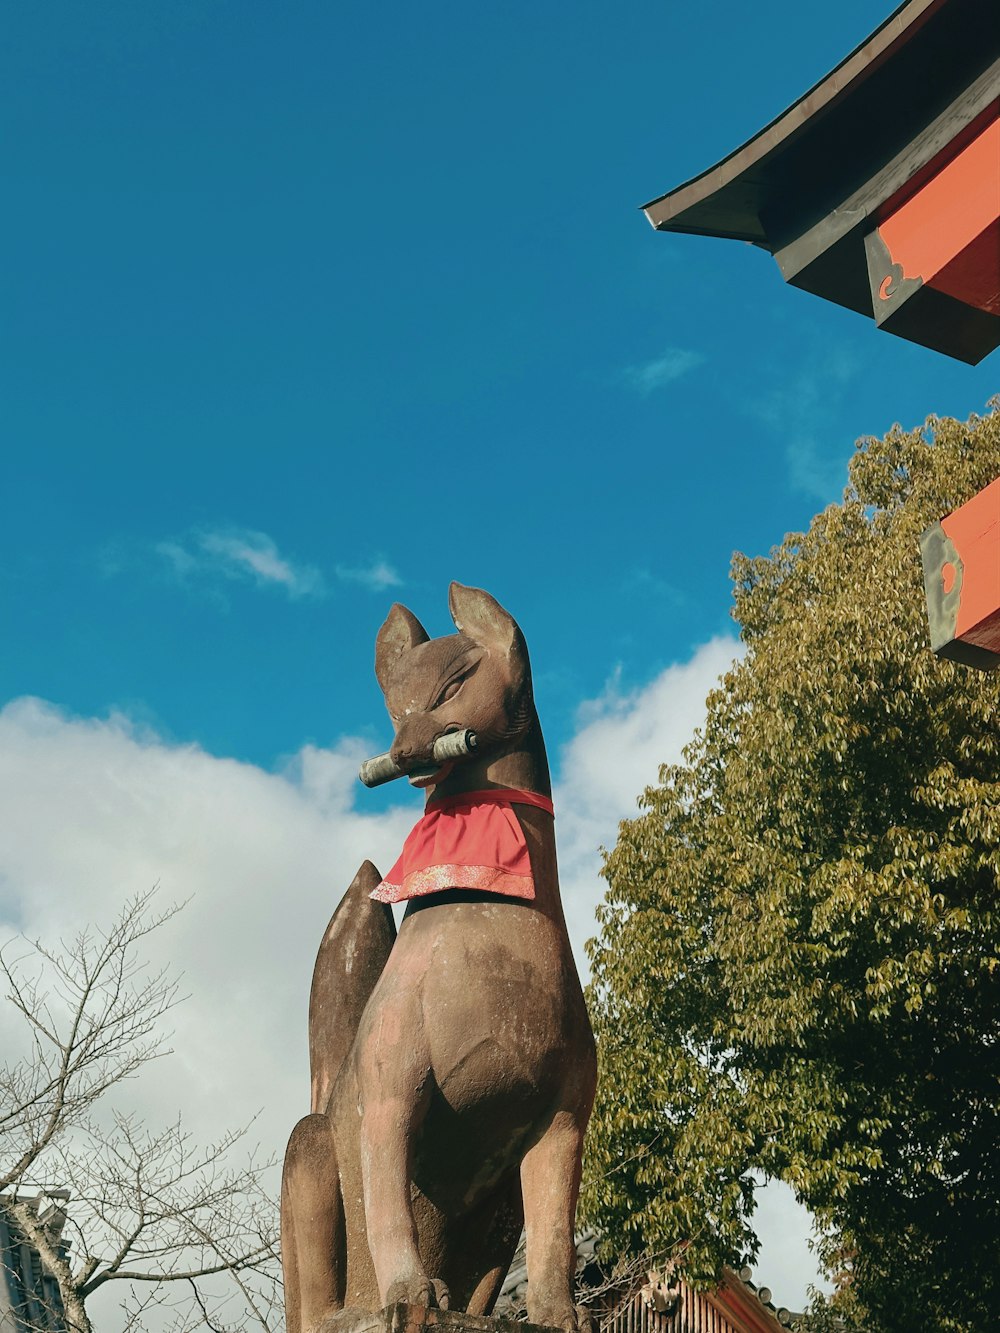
(550, 1182)
(392, 1066)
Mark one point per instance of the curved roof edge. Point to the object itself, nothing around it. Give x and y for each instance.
(854, 68)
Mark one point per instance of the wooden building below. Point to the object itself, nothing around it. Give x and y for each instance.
(651, 1304)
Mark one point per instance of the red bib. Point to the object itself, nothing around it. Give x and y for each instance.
(469, 841)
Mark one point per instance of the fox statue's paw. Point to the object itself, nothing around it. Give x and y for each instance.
(585, 1321)
(561, 1314)
(419, 1289)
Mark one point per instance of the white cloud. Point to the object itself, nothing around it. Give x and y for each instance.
(241, 554)
(622, 740)
(96, 810)
(648, 376)
(376, 576)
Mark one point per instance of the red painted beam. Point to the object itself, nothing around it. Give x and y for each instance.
(934, 260)
(935, 226)
(961, 557)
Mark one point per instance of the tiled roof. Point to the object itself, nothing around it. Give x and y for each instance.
(760, 1296)
(745, 1307)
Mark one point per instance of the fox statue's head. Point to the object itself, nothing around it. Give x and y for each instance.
(478, 678)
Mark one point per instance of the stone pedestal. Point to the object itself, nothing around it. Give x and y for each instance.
(402, 1318)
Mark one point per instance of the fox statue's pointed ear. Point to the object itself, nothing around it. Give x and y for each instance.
(481, 618)
(401, 632)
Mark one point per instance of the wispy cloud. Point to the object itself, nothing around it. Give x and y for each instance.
(241, 554)
(640, 581)
(181, 561)
(649, 376)
(376, 576)
(799, 410)
(207, 558)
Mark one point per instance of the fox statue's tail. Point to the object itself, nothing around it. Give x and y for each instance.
(351, 958)
(350, 961)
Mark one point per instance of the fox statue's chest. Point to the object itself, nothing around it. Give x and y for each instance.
(488, 976)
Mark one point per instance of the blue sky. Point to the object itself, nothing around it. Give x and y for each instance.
(371, 281)
(314, 306)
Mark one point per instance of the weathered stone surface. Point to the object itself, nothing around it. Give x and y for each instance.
(453, 1065)
(403, 1318)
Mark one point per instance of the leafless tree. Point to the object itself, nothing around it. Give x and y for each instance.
(189, 1231)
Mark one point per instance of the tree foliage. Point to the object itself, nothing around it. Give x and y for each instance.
(187, 1232)
(797, 971)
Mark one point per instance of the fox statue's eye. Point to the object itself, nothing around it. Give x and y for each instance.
(450, 690)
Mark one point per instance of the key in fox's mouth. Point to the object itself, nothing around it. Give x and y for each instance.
(447, 748)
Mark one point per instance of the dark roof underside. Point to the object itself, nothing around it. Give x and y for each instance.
(867, 129)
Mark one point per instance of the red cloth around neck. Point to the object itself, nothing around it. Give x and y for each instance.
(469, 841)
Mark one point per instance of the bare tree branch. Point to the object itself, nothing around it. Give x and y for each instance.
(150, 1209)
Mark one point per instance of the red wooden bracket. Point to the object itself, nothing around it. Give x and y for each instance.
(961, 557)
(934, 262)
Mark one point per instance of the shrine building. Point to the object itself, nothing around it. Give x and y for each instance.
(880, 187)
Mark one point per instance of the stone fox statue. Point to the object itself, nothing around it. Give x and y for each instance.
(453, 1066)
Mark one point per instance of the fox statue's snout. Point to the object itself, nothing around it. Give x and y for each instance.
(414, 742)
(412, 751)
(441, 1119)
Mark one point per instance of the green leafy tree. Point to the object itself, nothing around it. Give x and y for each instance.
(797, 972)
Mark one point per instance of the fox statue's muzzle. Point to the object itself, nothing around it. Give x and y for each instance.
(449, 747)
